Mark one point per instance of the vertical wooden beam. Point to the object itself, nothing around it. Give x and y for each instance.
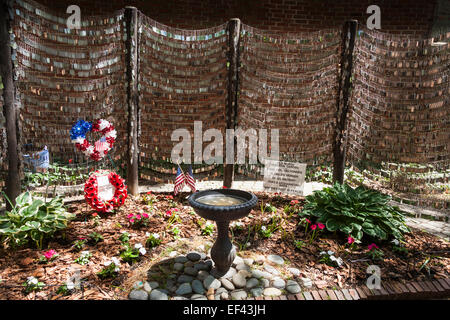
(340, 136)
(234, 31)
(9, 110)
(131, 20)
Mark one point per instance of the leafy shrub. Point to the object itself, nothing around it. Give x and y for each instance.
(356, 212)
(33, 219)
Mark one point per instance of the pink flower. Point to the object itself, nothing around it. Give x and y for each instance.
(307, 220)
(294, 202)
(131, 220)
(313, 227)
(168, 213)
(372, 246)
(145, 215)
(149, 192)
(321, 226)
(130, 215)
(224, 187)
(350, 240)
(138, 216)
(49, 254)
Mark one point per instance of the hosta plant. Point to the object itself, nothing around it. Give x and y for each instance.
(33, 219)
(356, 212)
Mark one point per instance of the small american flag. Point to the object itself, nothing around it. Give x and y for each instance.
(101, 145)
(190, 179)
(179, 182)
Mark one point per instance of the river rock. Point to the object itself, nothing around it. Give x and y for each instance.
(272, 292)
(279, 283)
(293, 287)
(197, 286)
(158, 294)
(227, 284)
(194, 256)
(275, 259)
(238, 294)
(252, 282)
(239, 280)
(138, 295)
(191, 271)
(184, 278)
(184, 288)
(211, 282)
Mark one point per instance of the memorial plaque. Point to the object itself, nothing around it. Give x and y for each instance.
(105, 189)
(284, 177)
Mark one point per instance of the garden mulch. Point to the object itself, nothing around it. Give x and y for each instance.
(404, 270)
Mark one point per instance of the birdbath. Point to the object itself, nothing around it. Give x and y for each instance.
(222, 206)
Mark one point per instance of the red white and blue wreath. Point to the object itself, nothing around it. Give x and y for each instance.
(95, 191)
(101, 148)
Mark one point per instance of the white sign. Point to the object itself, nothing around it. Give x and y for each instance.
(105, 189)
(284, 177)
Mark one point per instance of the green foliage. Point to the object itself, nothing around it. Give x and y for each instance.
(95, 237)
(84, 258)
(33, 219)
(356, 212)
(153, 240)
(79, 244)
(208, 229)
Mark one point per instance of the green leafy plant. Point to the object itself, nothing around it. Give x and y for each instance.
(299, 244)
(375, 253)
(111, 269)
(33, 219)
(153, 240)
(208, 229)
(356, 212)
(33, 284)
(95, 237)
(124, 237)
(176, 232)
(132, 254)
(79, 244)
(84, 258)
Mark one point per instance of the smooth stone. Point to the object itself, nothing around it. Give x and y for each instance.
(265, 283)
(202, 275)
(275, 259)
(197, 286)
(257, 292)
(272, 292)
(306, 282)
(209, 263)
(261, 274)
(184, 278)
(170, 283)
(227, 284)
(230, 273)
(183, 289)
(239, 280)
(293, 287)
(158, 294)
(152, 284)
(220, 290)
(224, 296)
(242, 266)
(179, 298)
(201, 247)
(178, 266)
(272, 270)
(279, 283)
(190, 271)
(138, 285)
(194, 256)
(198, 297)
(181, 259)
(218, 295)
(188, 264)
(238, 260)
(249, 261)
(211, 282)
(260, 259)
(294, 271)
(201, 266)
(138, 295)
(238, 294)
(173, 254)
(252, 282)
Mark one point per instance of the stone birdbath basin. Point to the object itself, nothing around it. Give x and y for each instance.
(222, 206)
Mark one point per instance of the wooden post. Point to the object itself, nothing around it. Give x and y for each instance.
(234, 29)
(131, 20)
(9, 111)
(340, 136)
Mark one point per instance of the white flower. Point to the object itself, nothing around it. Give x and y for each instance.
(330, 252)
(143, 251)
(263, 228)
(322, 253)
(333, 258)
(70, 285)
(395, 242)
(85, 253)
(115, 261)
(147, 234)
(138, 245)
(155, 235)
(32, 280)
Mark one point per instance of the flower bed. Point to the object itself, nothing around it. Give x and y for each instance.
(107, 248)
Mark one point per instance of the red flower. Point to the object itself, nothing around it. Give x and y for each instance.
(313, 227)
(294, 202)
(372, 246)
(350, 240)
(94, 214)
(321, 226)
(70, 160)
(307, 220)
(224, 187)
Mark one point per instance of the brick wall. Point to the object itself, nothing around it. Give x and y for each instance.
(397, 16)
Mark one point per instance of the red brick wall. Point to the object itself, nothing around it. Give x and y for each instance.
(397, 16)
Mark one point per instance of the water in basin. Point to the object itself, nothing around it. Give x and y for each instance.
(220, 200)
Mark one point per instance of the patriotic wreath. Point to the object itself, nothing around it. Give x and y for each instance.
(91, 191)
(101, 147)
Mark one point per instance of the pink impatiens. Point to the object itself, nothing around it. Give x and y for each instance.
(372, 246)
